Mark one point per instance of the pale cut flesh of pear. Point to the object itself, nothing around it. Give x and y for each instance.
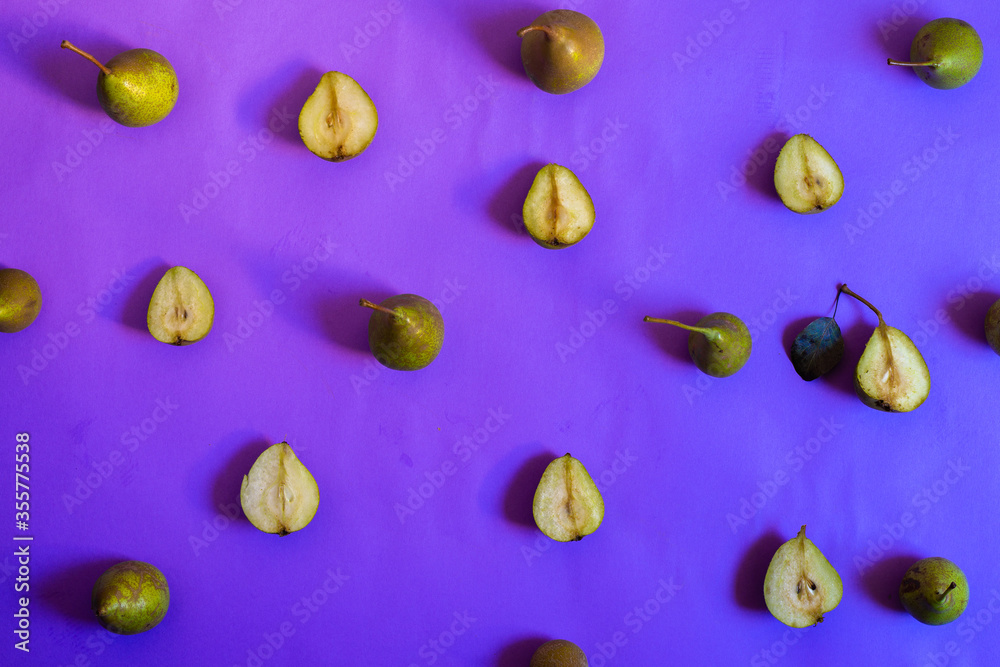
(891, 374)
(567, 505)
(279, 495)
(339, 120)
(807, 179)
(558, 210)
(801, 585)
(181, 310)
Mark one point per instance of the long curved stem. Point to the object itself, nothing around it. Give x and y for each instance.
(66, 45)
(849, 292)
(902, 64)
(711, 334)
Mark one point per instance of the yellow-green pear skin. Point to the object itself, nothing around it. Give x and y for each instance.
(945, 54)
(568, 505)
(992, 326)
(562, 50)
(891, 374)
(806, 177)
(339, 120)
(181, 310)
(130, 597)
(279, 495)
(934, 590)
(136, 88)
(20, 300)
(800, 585)
(558, 211)
(558, 653)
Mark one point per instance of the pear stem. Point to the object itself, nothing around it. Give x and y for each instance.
(711, 334)
(947, 590)
(847, 291)
(382, 309)
(902, 64)
(524, 31)
(67, 45)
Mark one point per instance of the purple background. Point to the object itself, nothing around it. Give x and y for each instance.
(545, 348)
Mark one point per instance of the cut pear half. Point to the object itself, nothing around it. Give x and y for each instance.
(806, 177)
(279, 495)
(891, 374)
(181, 310)
(339, 120)
(567, 505)
(558, 210)
(801, 585)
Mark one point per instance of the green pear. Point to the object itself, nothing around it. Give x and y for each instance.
(934, 591)
(891, 374)
(568, 505)
(945, 54)
(181, 310)
(130, 597)
(992, 326)
(279, 495)
(20, 300)
(136, 88)
(558, 653)
(806, 178)
(558, 210)
(801, 585)
(562, 50)
(339, 120)
(719, 344)
(405, 332)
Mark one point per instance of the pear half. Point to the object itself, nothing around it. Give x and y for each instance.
(806, 177)
(801, 585)
(181, 310)
(567, 505)
(891, 374)
(279, 495)
(339, 120)
(558, 210)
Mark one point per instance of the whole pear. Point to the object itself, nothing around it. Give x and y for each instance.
(934, 591)
(20, 300)
(946, 53)
(136, 88)
(558, 653)
(562, 50)
(405, 332)
(992, 326)
(719, 344)
(130, 597)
